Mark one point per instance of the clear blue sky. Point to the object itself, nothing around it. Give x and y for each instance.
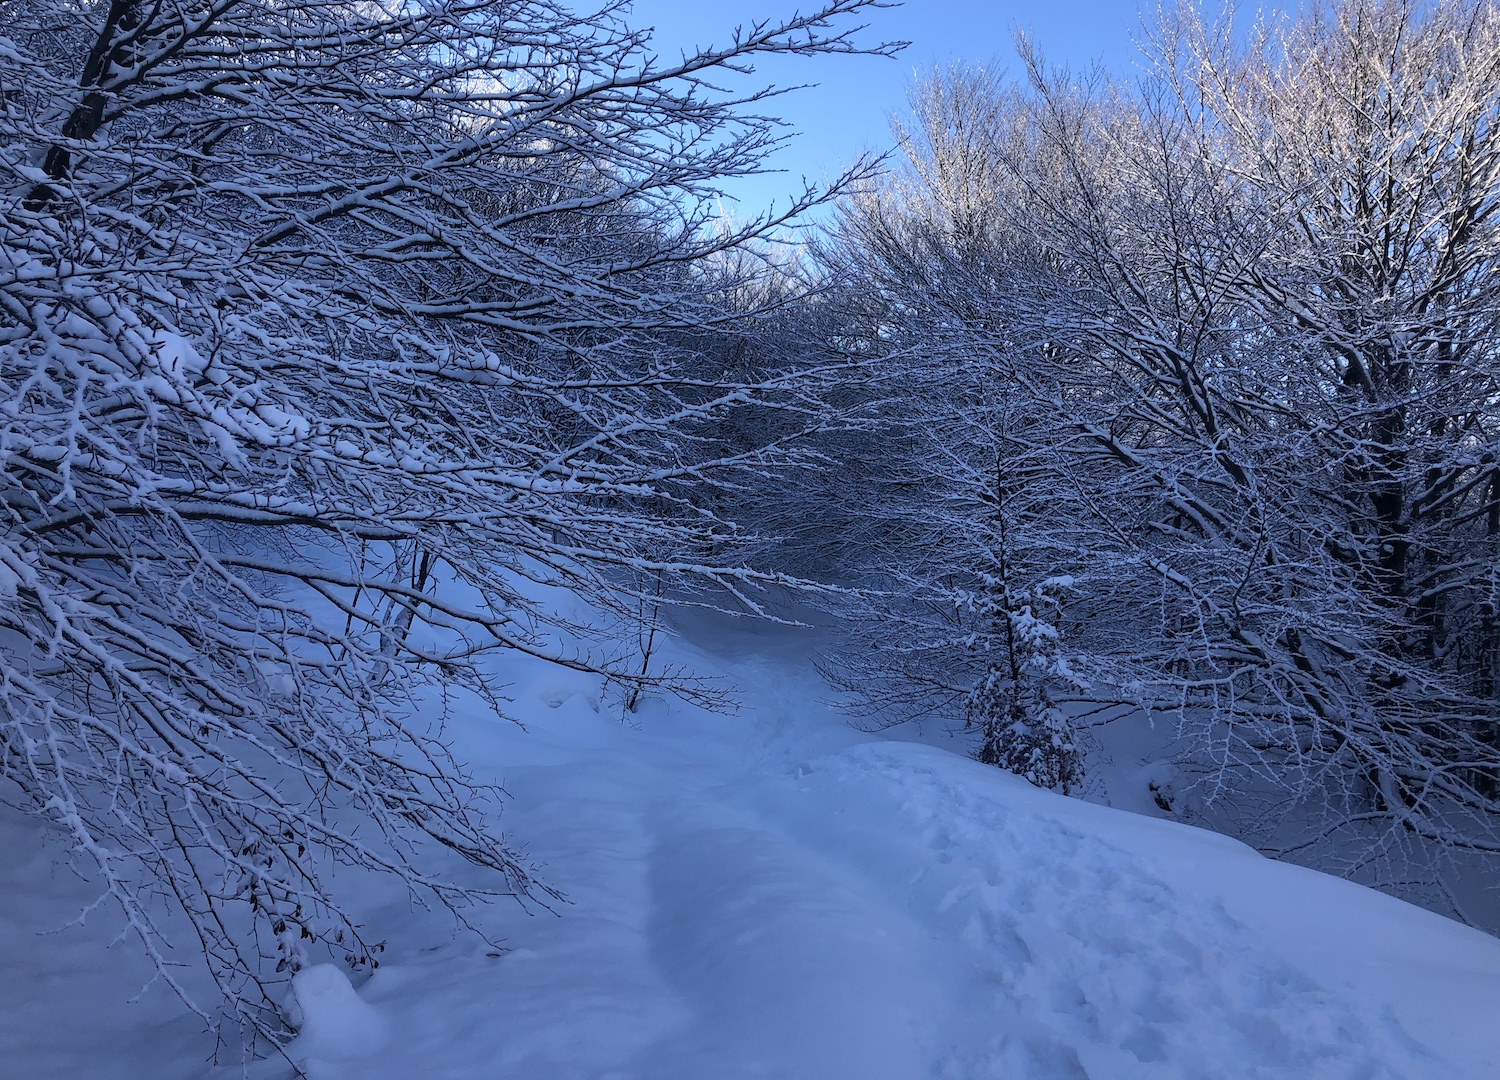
(848, 111)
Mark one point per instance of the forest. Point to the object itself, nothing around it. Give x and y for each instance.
(339, 337)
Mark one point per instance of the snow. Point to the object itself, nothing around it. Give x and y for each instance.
(774, 894)
(333, 1022)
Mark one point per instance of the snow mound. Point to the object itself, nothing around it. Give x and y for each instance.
(333, 1022)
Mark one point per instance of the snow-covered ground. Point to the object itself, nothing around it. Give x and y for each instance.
(773, 894)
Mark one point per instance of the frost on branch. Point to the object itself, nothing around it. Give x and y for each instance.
(1234, 329)
(333, 334)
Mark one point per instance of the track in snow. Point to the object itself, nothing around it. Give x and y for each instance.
(774, 895)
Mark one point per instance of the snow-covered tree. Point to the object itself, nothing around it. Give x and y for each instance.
(332, 332)
(959, 617)
(1244, 318)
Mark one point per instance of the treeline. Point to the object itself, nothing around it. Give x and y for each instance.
(1187, 401)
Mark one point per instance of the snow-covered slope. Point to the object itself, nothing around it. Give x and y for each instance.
(772, 894)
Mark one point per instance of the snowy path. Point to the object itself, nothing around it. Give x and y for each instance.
(774, 895)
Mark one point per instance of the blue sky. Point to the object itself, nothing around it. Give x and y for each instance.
(847, 112)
